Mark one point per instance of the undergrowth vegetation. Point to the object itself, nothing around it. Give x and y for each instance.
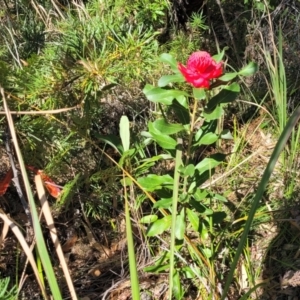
(134, 165)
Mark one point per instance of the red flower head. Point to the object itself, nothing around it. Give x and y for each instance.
(200, 69)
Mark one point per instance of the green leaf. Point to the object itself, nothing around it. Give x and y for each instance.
(159, 226)
(125, 132)
(170, 60)
(220, 197)
(203, 231)
(192, 187)
(249, 70)
(216, 114)
(207, 252)
(189, 170)
(166, 79)
(227, 94)
(157, 268)
(188, 272)
(198, 134)
(126, 181)
(163, 96)
(218, 57)
(199, 94)
(152, 182)
(200, 208)
(193, 218)
(228, 76)
(161, 139)
(182, 100)
(181, 111)
(180, 225)
(208, 139)
(148, 219)
(200, 195)
(226, 134)
(177, 287)
(163, 203)
(183, 197)
(146, 164)
(111, 140)
(211, 162)
(218, 217)
(126, 156)
(167, 128)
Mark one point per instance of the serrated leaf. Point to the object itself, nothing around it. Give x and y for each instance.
(125, 132)
(249, 70)
(166, 79)
(148, 219)
(193, 218)
(159, 226)
(180, 225)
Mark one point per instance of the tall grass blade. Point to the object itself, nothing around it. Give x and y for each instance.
(53, 232)
(283, 139)
(25, 247)
(41, 245)
(135, 288)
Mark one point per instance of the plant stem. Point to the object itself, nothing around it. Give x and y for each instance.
(191, 135)
(178, 162)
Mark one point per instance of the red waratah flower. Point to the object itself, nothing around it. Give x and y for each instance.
(200, 69)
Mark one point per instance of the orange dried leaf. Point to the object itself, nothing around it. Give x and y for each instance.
(50, 185)
(4, 184)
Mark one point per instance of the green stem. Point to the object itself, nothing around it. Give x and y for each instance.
(178, 162)
(191, 135)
